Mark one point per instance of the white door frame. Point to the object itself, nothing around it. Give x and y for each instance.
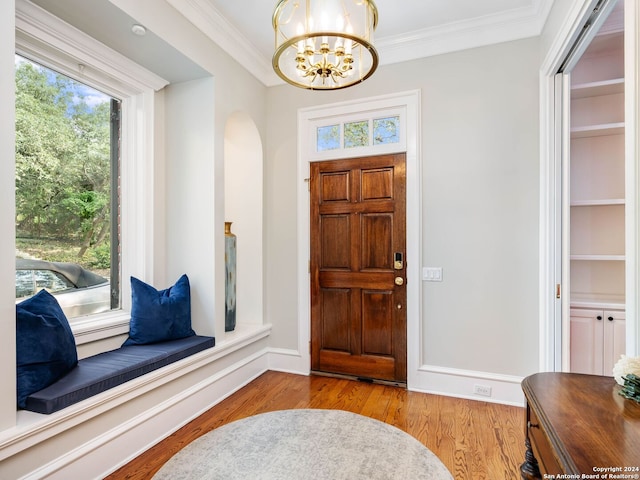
(632, 172)
(408, 103)
(551, 165)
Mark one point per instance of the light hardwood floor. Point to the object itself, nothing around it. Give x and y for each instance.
(475, 440)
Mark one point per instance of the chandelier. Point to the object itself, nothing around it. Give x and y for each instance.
(325, 44)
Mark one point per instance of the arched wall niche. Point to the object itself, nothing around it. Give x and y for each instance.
(243, 186)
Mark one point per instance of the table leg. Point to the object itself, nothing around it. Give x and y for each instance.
(529, 470)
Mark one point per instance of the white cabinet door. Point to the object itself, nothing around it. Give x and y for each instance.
(597, 340)
(587, 329)
(614, 339)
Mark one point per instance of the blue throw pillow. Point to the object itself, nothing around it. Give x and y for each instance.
(159, 315)
(45, 346)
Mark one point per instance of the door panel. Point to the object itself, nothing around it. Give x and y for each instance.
(336, 325)
(377, 313)
(586, 341)
(377, 184)
(335, 242)
(358, 319)
(377, 241)
(614, 339)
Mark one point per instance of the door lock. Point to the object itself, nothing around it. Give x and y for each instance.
(399, 281)
(398, 263)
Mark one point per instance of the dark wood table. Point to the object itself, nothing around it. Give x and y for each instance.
(579, 424)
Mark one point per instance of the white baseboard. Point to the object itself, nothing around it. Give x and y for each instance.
(450, 382)
(288, 361)
(458, 383)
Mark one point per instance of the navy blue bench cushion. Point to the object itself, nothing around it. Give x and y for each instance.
(106, 370)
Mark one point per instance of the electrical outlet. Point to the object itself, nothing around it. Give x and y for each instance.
(483, 390)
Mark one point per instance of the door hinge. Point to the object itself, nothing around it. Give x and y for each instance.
(557, 290)
(308, 182)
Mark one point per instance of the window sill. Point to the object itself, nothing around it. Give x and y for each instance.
(100, 326)
(32, 428)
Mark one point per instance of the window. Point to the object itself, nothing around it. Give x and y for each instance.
(356, 134)
(386, 130)
(359, 133)
(328, 138)
(66, 50)
(67, 205)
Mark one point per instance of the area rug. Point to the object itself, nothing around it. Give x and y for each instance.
(305, 444)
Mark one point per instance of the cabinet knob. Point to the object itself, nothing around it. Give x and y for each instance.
(610, 319)
(599, 317)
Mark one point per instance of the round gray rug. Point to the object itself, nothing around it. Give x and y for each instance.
(305, 444)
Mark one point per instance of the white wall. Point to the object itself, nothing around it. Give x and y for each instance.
(190, 195)
(480, 209)
(480, 203)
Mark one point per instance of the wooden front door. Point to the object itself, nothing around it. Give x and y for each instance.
(358, 267)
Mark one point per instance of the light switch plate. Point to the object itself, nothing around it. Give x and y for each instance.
(432, 274)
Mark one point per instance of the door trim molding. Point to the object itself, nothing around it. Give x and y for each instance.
(550, 203)
(410, 103)
(632, 173)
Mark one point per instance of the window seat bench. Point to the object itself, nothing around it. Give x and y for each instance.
(106, 370)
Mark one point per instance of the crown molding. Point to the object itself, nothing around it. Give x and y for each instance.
(505, 26)
(39, 33)
(501, 27)
(204, 16)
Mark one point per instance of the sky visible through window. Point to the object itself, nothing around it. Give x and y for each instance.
(81, 92)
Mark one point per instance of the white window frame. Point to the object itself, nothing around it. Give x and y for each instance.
(55, 44)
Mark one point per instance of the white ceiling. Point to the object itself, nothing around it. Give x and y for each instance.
(407, 29)
(398, 19)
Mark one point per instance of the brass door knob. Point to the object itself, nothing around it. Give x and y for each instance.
(399, 281)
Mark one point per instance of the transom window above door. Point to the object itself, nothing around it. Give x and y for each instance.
(376, 132)
(359, 133)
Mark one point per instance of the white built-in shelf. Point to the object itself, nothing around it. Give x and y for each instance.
(616, 128)
(598, 258)
(596, 300)
(594, 89)
(597, 202)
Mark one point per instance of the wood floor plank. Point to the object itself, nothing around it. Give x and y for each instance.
(475, 440)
